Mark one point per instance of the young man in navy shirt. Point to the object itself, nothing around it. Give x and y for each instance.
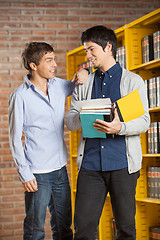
(111, 164)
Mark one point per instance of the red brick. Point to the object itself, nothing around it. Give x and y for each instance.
(5, 151)
(45, 32)
(5, 192)
(56, 25)
(6, 233)
(9, 171)
(9, 12)
(12, 211)
(22, 5)
(56, 12)
(46, 5)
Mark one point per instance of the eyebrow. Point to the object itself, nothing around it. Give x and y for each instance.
(89, 48)
(49, 58)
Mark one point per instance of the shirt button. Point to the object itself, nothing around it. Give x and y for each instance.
(103, 95)
(102, 146)
(110, 76)
(104, 83)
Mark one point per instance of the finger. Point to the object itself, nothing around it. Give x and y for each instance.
(35, 184)
(104, 123)
(74, 78)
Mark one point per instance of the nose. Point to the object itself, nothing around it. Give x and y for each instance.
(54, 64)
(88, 55)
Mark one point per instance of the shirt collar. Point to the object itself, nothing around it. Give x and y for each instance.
(29, 84)
(113, 70)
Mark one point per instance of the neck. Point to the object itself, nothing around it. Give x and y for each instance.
(40, 84)
(109, 64)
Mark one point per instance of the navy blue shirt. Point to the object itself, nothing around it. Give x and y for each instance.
(106, 154)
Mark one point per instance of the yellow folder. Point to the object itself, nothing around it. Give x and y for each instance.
(130, 106)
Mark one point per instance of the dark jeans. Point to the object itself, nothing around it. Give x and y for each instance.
(54, 192)
(92, 189)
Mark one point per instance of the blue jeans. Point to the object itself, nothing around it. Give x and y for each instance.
(54, 192)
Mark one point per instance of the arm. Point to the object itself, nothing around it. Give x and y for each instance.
(79, 78)
(15, 135)
(72, 118)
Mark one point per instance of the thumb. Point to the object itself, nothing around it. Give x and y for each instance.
(116, 114)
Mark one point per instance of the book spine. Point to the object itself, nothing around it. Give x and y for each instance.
(156, 182)
(155, 137)
(149, 139)
(151, 92)
(158, 91)
(155, 45)
(149, 181)
(154, 92)
(158, 137)
(158, 44)
(119, 113)
(152, 183)
(147, 48)
(152, 137)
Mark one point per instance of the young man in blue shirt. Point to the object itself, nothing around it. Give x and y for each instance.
(107, 164)
(37, 109)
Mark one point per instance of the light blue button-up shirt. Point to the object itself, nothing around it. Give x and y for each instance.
(42, 121)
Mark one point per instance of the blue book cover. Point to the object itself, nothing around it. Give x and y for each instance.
(87, 120)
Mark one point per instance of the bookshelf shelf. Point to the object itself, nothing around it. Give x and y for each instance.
(151, 155)
(156, 109)
(130, 36)
(151, 65)
(148, 200)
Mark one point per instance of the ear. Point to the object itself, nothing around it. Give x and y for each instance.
(33, 66)
(108, 47)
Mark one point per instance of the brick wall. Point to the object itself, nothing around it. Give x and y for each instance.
(59, 23)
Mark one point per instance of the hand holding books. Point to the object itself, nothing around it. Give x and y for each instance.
(112, 127)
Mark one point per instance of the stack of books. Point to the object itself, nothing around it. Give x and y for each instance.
(128, 108)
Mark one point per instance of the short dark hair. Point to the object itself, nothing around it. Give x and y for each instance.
(101, 35)
(34, 52)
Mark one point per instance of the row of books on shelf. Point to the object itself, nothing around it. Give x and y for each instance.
(154, 138)
(153, 179)
(153, 91)
(154, 233)
(151, 47)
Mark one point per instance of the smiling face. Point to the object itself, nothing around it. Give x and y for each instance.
(46, 68)
(100, 58)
